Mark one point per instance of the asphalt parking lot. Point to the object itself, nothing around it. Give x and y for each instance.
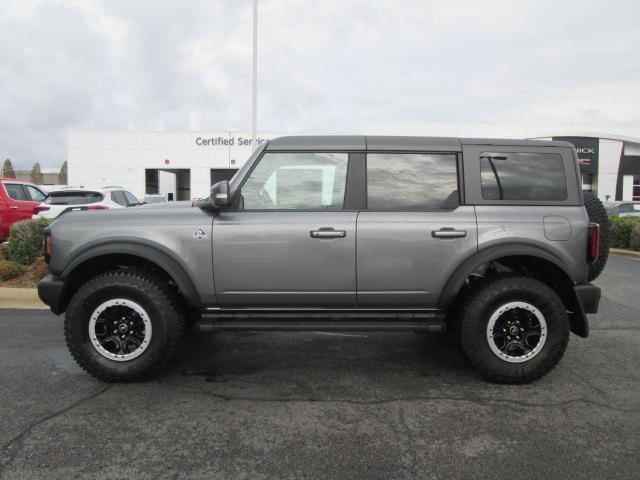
(311, 405)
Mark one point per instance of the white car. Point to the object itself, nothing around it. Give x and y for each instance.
(72, 199)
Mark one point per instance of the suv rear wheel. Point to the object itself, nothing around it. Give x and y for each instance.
(513, 329)
(123, 325)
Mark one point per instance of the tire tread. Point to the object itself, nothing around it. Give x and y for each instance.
(481, 293)
(151, 286)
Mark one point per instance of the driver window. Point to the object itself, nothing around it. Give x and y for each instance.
(297, 181)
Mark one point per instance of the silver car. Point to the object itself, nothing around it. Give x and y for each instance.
(622, 209)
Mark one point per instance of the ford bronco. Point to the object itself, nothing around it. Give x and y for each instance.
(491, 239)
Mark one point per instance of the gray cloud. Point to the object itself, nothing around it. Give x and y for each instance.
(324, 66)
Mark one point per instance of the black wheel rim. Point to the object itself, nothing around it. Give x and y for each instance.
(120, 329)
(516, 332)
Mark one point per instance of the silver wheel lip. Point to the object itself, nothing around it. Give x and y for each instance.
(505, 308)
(120, 302)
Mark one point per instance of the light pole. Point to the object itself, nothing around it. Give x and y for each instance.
(254, 92)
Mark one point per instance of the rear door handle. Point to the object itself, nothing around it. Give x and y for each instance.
(448, 233)
(13, 207)
(327, 233)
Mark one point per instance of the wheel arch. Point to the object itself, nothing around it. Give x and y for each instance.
(528, 260)
(101, 257)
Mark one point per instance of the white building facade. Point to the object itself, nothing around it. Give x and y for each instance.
(180, 165)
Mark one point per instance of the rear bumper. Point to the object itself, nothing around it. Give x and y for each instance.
(51, 290)
(588, 296)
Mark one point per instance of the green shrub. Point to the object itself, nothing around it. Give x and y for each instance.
(3, 253)
(621, 228)
(9, 270)
(39, 268)
(25, 241)
(634, 238)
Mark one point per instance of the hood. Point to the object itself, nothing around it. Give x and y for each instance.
(176, 213)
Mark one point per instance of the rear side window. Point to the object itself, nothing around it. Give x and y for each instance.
(73, 198)
(131, 200)
(118, 197)
(522, 176)
(34, 194)
(408, 181)
(15, 191)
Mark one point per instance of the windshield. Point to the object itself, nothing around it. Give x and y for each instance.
(234, 183)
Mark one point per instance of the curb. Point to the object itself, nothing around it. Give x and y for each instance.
(22, 298)
(621, 251)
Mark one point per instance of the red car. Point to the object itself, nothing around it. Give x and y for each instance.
(18, 201)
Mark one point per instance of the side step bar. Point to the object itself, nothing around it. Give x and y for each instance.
(379, 322)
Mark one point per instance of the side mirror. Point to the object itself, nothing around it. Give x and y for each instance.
(220, 194)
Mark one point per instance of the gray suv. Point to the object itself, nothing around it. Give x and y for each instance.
(489, 239)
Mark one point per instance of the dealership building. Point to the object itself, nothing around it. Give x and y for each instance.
(610, 164)
(183, 165)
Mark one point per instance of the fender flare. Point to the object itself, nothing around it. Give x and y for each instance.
(578, 318)
(152, 252)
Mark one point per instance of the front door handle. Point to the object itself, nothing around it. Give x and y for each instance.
(448, 233)
(327, 233)
(13, 207)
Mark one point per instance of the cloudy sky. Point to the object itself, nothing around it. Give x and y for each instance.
(324, 66)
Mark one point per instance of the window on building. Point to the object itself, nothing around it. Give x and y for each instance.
(297, 181)
(152, 181)
(636, 188)
(522, 176)
(219, 174)
(406, 181)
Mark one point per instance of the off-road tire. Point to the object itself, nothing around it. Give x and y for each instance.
(484, 298)
(164, 312)
(598, 214)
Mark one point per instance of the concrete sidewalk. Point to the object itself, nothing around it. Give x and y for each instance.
(20, 298)
(624, 251)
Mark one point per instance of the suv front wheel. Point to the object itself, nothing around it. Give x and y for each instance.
(513, 329)
(123, 325)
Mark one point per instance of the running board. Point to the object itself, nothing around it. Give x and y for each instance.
(379, 322)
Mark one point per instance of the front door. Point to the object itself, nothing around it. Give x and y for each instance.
(414, 231)
(290, 242)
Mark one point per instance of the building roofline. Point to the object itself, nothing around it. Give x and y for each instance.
(588, 134)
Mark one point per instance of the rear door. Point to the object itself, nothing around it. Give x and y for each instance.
(20, 203)
(291, 241)
(414, 230)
